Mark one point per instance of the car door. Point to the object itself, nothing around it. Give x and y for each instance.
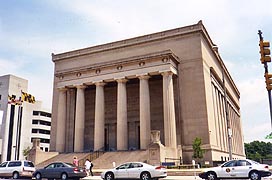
(49, 171)
(122, 171)
(242, 169)
(135, 170)
(226, 170)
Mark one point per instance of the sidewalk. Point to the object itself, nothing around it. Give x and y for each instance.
(167, 178)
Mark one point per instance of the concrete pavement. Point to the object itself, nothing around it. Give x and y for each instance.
(168, 178)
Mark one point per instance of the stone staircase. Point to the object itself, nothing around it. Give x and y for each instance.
(63, 157)
(105, 161)
(101, 160)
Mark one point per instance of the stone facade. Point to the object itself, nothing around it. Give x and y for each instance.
(111, 96)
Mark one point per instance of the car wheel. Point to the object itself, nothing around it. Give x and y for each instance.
(109, 176)
(64, 176)
(211, 176)
(38, 176)
(15, 175)
(145, 176)
(254, 175)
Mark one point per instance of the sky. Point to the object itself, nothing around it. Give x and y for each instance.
(30, 30)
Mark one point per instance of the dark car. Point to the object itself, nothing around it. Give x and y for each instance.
(60, 170)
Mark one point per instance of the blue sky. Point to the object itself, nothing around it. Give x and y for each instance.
(31, 30)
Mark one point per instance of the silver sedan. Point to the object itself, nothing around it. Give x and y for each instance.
(135, 170)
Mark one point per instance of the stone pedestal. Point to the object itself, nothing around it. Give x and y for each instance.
(156, 149)
(157, 152)
(36, 155)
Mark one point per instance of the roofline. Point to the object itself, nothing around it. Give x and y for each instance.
(132, 41)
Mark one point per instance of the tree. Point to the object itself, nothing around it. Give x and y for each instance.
(198, 152)
(26, 151)
(257, 150)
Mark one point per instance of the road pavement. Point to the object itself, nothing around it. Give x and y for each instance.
(168, 178)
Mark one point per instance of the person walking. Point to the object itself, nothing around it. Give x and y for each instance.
(91, 168)
(75, 161)
(87, 167)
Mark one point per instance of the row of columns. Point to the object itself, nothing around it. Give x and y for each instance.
(122, 129)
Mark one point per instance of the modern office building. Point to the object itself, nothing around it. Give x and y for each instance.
(41, 126)
(111, 96)
(21, 119)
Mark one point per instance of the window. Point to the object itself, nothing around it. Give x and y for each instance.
(45, 114)
(243, 163)
(36, 113)
(42, 140)
(46, 149)
(34, 130)
(0, 96)
(35, 121)
(14, 163)
(230, 164)
(3, 165)
(28, 164)
(45, 123)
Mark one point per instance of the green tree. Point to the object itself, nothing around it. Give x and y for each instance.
(257, 150)
(198, 152)
(26, 151)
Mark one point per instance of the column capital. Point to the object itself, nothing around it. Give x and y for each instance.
(80, 86)
(62, 89)
(100, 83)
(143, 76)
(122, 80)
(166, 73)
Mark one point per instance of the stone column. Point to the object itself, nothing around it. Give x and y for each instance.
(61, 120)
(122, 131)
(169, 110)
(99, 123)
(144, 112)
(79, 119)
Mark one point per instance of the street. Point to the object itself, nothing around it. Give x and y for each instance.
(168, 178)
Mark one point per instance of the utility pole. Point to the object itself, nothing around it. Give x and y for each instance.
(265, 58)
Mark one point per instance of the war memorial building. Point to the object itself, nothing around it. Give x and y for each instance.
(111, 97)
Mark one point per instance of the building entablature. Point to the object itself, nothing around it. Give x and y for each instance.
(129, 68)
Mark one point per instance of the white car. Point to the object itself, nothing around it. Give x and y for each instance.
(135, 170)
(237, 169)
(16, 169)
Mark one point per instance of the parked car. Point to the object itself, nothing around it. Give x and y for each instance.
(60, 170)
(135, 170)
(237, 169)
(16, 169)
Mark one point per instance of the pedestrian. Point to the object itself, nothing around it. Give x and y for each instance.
(91, 168)
(87, 167)
(75, 161)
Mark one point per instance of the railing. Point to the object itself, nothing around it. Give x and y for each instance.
(92, 156)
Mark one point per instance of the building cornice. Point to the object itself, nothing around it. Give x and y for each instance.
(135, 59)
(134, 41)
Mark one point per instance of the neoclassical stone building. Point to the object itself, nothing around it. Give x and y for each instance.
(109, 97)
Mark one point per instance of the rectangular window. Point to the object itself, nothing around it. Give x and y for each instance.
(35, 121)
(36, 113)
